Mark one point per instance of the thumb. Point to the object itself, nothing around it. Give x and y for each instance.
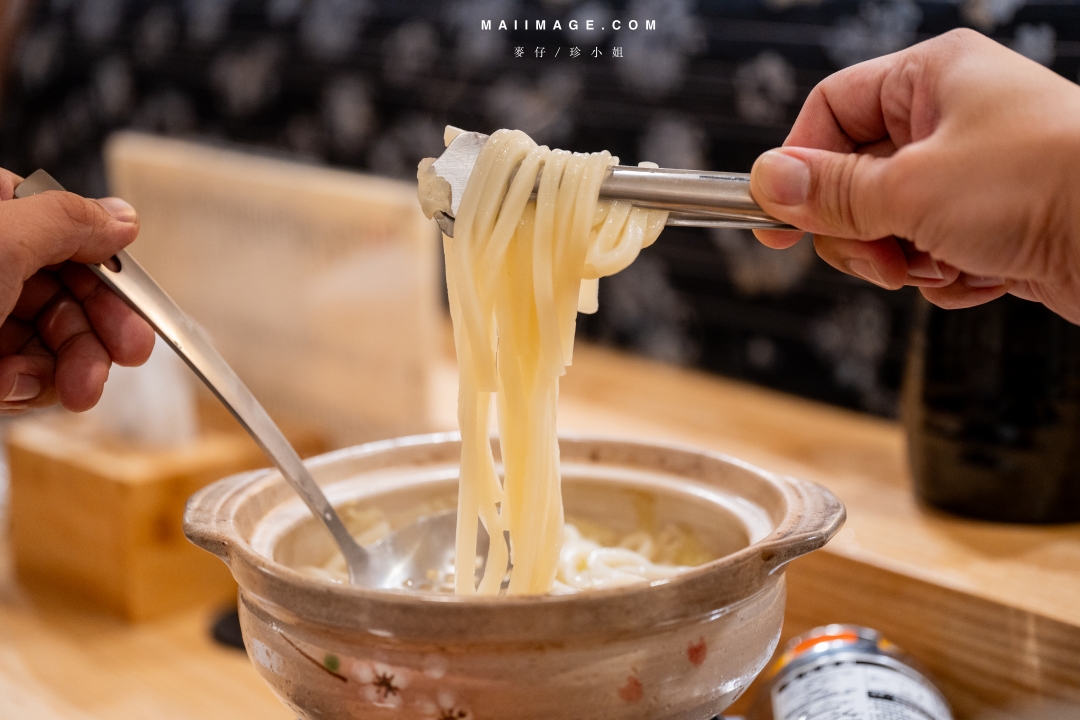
(827, 193)
(54, 226)
(51, 227)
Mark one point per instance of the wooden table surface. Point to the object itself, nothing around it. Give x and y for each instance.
(992, 610)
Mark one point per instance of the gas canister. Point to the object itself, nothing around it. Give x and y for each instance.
(847, 672)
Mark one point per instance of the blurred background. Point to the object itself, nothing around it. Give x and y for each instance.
(369, 84)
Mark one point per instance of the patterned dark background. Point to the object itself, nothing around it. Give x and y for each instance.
(369, 84)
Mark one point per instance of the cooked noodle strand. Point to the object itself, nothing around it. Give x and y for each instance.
(518, 270)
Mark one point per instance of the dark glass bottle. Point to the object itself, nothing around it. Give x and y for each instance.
(991, 404)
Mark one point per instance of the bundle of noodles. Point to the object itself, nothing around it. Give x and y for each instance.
(518, 271)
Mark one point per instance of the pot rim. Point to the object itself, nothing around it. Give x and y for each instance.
(811, 517)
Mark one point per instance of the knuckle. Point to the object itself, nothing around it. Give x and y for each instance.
(76, 211)
(839, 202)
(98, 296)
(64, 222)
(850, 207)
(901, 190)
(820, 92)
(963, 35)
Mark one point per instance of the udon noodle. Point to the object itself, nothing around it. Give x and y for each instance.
(518, 270)
(593, 556)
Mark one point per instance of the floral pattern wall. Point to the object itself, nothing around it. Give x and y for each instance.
(369, 84)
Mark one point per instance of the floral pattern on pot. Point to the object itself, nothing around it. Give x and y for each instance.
(380, 684)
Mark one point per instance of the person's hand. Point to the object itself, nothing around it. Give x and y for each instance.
(966, 150)
(62, 328)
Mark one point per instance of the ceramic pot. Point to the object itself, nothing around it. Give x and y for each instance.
(682, 648)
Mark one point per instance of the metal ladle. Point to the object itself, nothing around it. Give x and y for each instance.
(402, 559)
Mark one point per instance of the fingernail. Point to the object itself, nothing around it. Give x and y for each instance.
(26, 387)
(979, 281)
(120, 209)
(782, 178)
(866, 271)
(925, 268)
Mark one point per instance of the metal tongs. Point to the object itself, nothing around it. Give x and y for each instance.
(692, 197)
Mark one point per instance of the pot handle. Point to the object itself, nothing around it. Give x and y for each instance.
(821, 518)
(208, 521)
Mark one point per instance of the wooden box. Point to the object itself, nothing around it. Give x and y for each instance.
(102, 520)
(319, 286)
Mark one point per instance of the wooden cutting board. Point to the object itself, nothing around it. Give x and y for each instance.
(990, 609)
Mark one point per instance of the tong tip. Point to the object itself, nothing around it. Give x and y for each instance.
(442, 180)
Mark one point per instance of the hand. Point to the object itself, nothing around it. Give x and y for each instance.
(62, 328)
(953, 165)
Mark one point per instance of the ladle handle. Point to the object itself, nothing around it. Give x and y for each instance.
(135, 286)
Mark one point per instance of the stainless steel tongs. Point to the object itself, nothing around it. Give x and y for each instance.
(693, 197)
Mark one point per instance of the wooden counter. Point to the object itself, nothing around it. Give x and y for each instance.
(992, 610)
